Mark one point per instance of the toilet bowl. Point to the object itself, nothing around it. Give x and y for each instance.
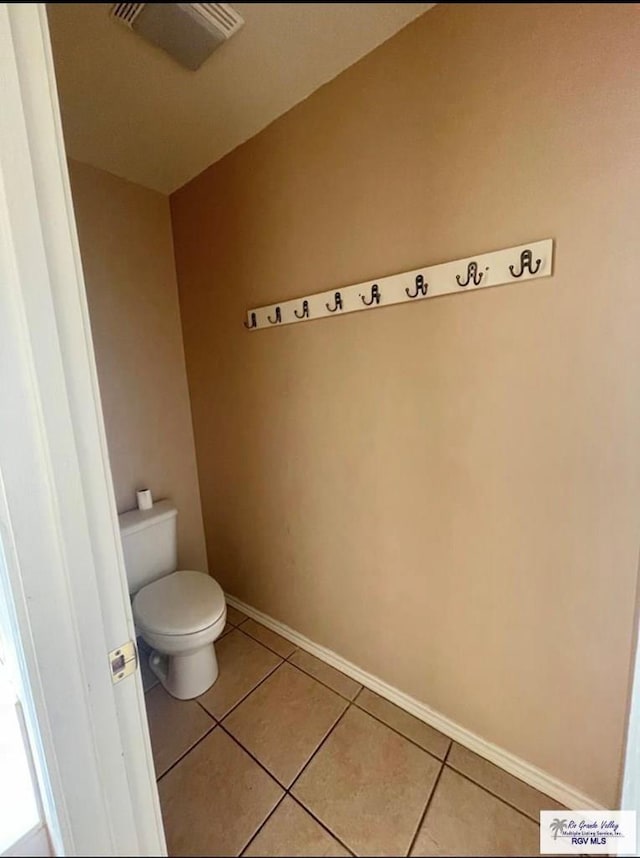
(178, 613)
(180, 616)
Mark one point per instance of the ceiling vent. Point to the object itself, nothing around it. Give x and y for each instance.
(188, 32)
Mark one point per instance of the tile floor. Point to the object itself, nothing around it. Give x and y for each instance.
(287, 756)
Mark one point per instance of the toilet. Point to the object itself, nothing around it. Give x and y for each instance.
(179, 613)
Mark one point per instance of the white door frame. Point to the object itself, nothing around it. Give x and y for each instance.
(58, 520)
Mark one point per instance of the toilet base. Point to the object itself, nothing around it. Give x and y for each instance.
(186, 676)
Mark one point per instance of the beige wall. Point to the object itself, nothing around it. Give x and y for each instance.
(446, 494)
(127, 256)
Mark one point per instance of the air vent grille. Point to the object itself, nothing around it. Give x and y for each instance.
(127, 12)
(188, 32)
(222, 15)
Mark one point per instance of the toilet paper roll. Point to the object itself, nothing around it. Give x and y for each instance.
(145, 501)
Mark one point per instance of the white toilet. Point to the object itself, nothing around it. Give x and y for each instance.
(178, 613)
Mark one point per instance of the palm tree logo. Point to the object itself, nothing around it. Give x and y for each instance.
(557, 826)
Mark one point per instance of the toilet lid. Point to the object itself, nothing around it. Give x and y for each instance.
(179, 604)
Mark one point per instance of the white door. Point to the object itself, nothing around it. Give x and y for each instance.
(63, 572)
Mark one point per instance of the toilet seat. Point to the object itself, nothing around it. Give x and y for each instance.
(183, 603)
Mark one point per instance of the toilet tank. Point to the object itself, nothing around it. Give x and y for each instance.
(149, 543)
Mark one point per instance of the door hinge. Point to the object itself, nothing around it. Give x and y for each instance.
(123, 661)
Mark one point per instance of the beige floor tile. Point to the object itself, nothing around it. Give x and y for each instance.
(419, 732)
(344, 685)
(520, 795)
(464, 819)
(227, 628)
(368, 785)
(243, 664)
(174, 725)
(215, 799)
(284, 720)
(234, 616)
(292, 831)
(265, 636)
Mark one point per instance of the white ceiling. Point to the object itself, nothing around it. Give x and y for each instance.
(130, 109)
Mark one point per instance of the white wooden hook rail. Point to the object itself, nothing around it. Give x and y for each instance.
(513, 265)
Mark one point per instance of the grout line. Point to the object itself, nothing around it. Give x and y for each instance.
(262, 643)
(408, 739)
(253, 757)
(353, 702)
(495, 795)
(204, 709)
(241, 621)
(188, 751)
(344, 697)
(319, 681)
(263, 765)
(264, 822)
(322, 741)
(287, 790)
(220, 718)
(242, 699)
(446, 756)
(285, 794)
(517, 767)
(311, 758)
(321, 823)
(424, 812)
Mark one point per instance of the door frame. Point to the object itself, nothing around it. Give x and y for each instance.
(65, 572)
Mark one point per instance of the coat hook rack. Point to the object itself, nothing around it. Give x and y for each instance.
(375, 296)
(526, 258)
(421, 287)
(305, 310)
(511, 265)
(337, 298)
(472, 275)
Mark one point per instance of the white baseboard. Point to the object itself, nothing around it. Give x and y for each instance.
(536, 778)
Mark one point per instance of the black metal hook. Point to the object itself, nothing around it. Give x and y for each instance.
(375, 296)
(278, 317)
(421, 287)
(254, 323)
(472, 274)
(526, 258)
(338, 303)
(305, 311)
